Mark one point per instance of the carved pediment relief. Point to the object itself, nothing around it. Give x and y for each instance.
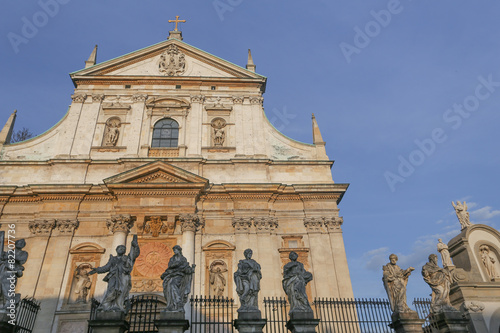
(157, 175)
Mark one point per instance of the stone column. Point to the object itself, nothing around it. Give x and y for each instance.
(53, 267)
(407, 322)
(334, 227)
(109, 322)
(189, 225)
(120, 226)
(324, 278)
(266, 230)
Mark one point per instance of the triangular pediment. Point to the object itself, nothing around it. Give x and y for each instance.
(156, 173)
(171, 58)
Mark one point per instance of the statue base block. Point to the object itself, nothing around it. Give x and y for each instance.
(4, 323)
(109, 322)
(172, 322)
(249, 322)
(451, 321)
(406, 322)
(302, 322)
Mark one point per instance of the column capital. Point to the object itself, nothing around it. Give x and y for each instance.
(266, 224)
(190, 222)
(314, 225)
(42, 227)
(120, 223)
(334, 223)
(242, 225)
(67, 226)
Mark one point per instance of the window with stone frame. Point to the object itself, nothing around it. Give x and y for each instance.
(165, 134)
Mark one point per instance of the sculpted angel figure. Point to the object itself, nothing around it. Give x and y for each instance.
(118, 278)
(462, 214)
(439, 279)
(177, 281)
(247, 280)
(295, 279)
(395, 280)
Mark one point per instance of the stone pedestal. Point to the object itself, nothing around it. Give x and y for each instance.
(109, 322)
(249, 322)
(172, 322)
(302, 322)
(4, 324)
(448, 322)
(407, 322)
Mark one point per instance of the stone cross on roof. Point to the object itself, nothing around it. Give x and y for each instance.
(176, 22)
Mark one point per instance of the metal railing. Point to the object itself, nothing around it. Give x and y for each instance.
(423, 307)
(26, 315)
(144, 310)
(211, 314)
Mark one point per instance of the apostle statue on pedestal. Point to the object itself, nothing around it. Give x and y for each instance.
(395, 280)
(177, 281)
(247, 280)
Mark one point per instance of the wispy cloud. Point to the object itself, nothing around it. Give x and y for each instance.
(484, 214)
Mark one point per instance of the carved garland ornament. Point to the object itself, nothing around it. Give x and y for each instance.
(172, 62)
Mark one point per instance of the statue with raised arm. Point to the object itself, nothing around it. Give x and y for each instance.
(118, 278)
(11, 269)
(439, 279)
(395, 280)
(462, 214)
(247, 280)
(295, 279)
(177, 281)
(445, 254)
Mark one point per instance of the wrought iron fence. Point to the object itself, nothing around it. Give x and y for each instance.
(423, 307)
(216, 314)
(276, 312)
(26, 315)
(211, 314)
(144, 310)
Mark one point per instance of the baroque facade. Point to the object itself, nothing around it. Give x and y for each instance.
(170, 143)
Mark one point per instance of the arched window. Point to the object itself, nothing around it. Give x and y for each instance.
(165, 133)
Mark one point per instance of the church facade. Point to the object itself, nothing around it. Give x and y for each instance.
(172, 144)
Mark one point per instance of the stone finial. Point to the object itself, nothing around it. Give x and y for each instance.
(120, 223)
(67, 226)
(91, 61)
(250, 65)
(462, 214)
(190, 222)
(42, 227)
(317, 138)
(6, 133)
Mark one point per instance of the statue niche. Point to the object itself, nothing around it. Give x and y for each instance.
(111, 132)
(218, 132)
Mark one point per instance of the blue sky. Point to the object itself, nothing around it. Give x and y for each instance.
(385, 79)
